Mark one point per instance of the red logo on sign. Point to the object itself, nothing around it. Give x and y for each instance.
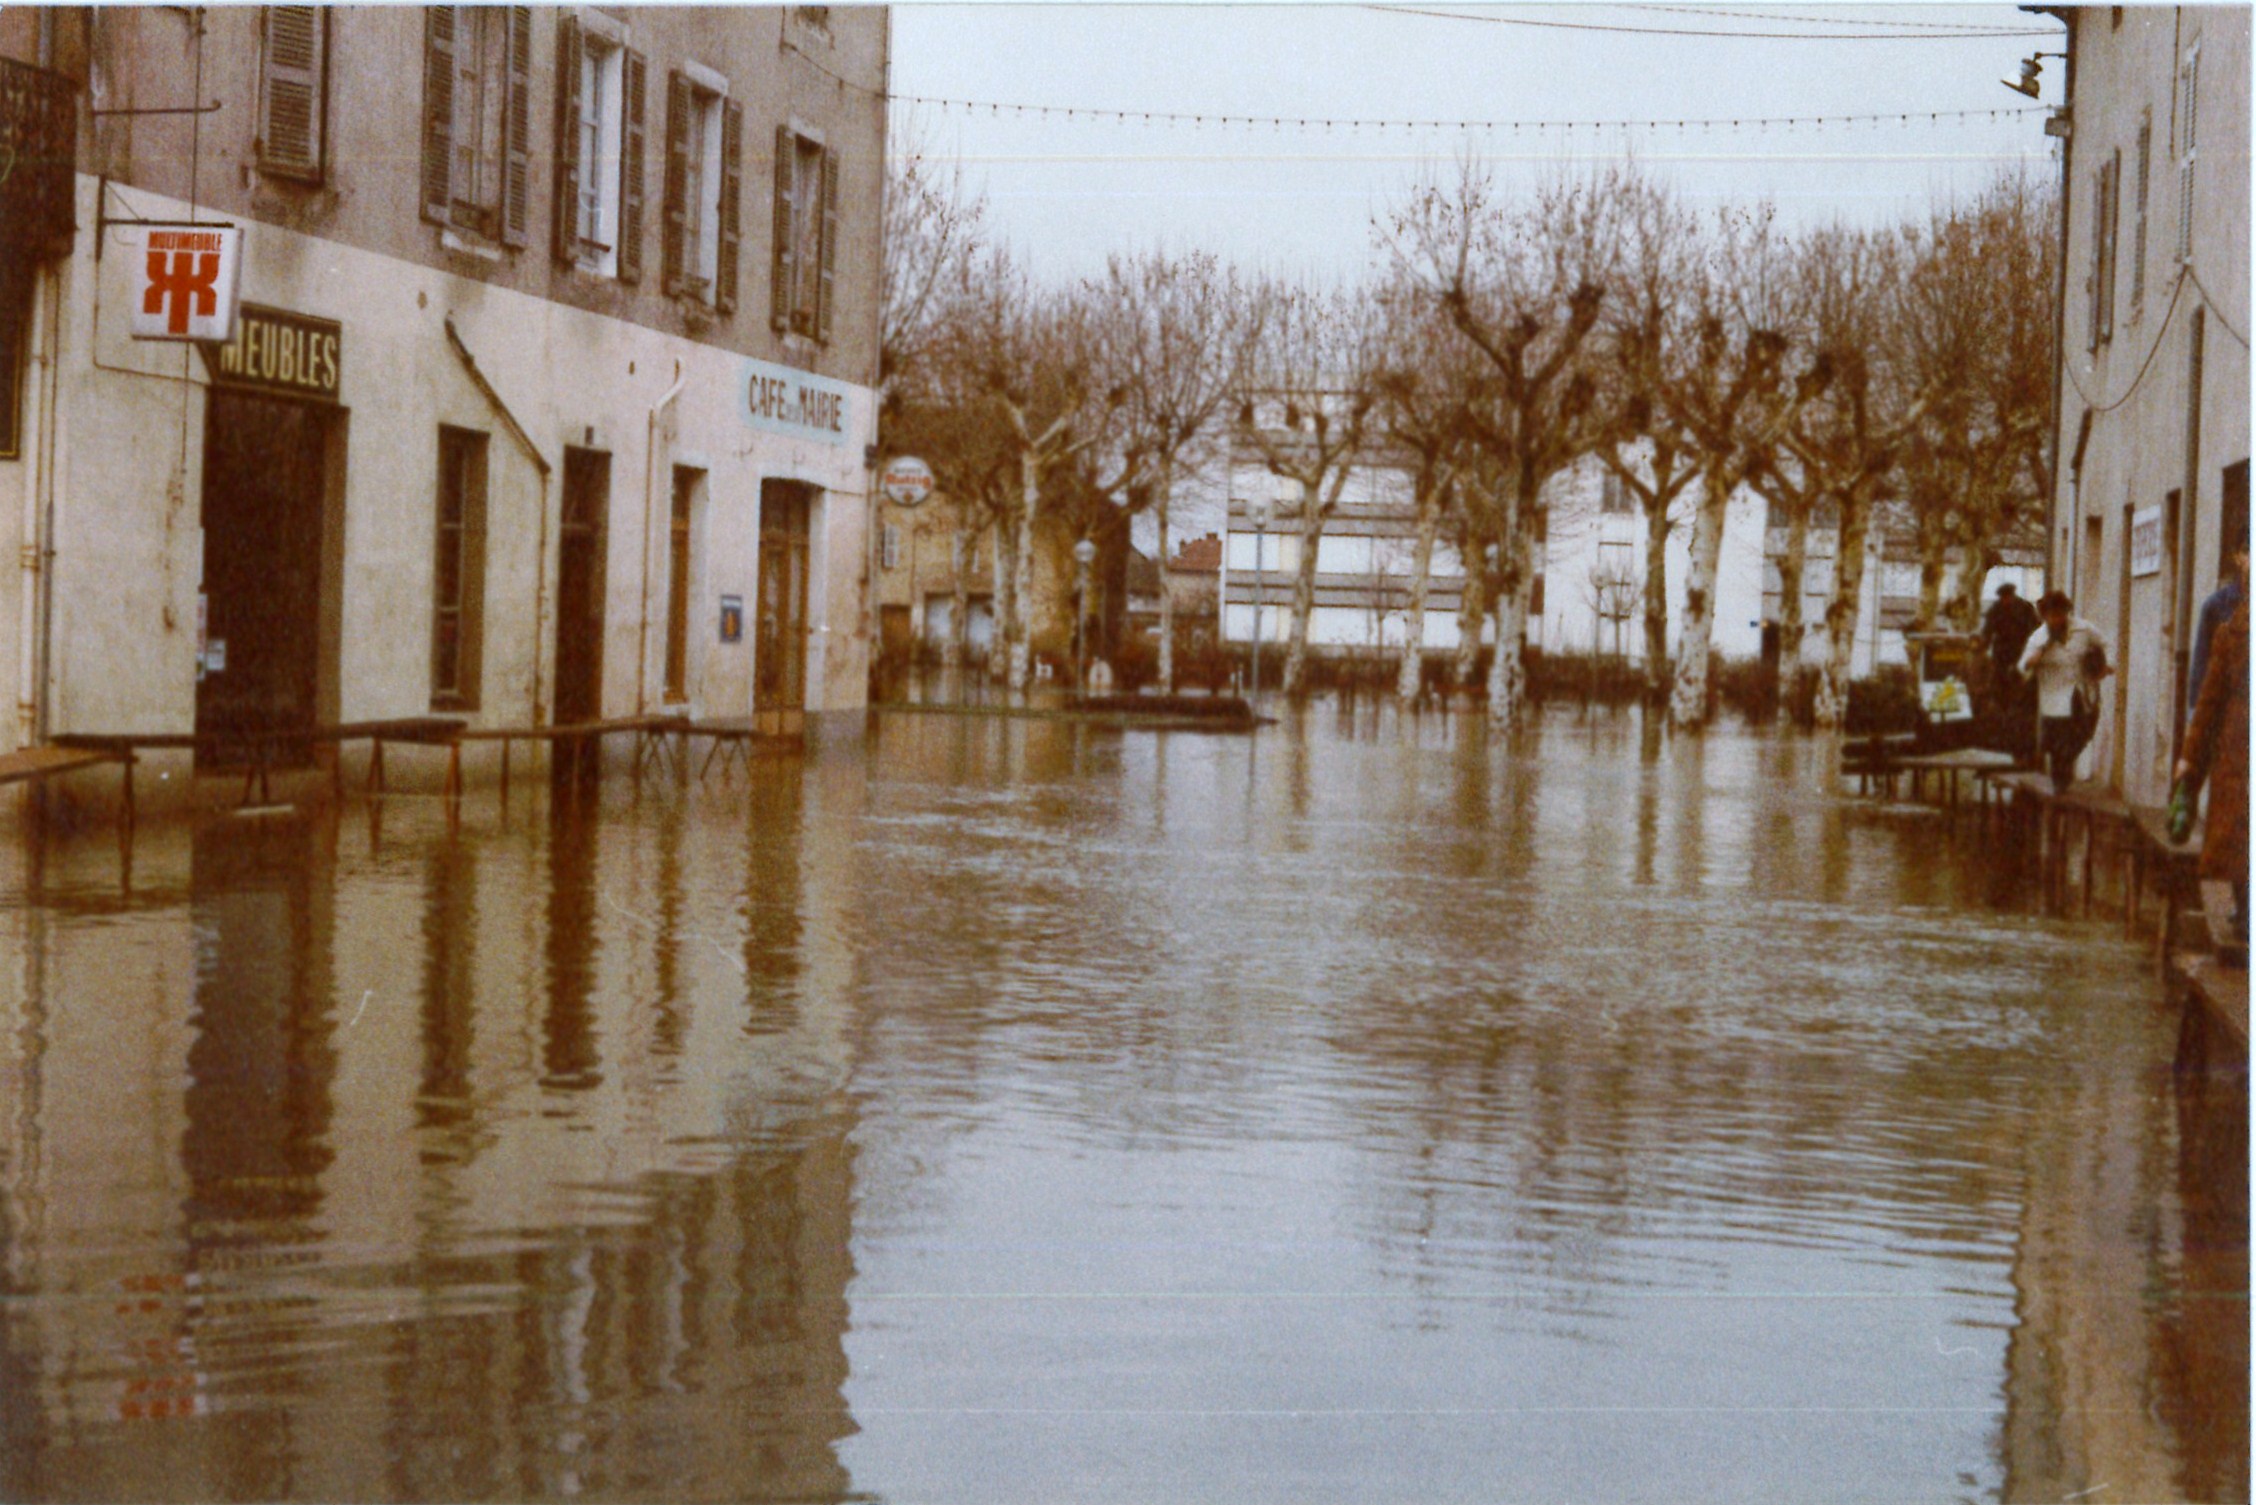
(193, 278)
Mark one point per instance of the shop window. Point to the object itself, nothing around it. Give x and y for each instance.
(458, 585)
(803, 273)
(477, 119)
(599, 150)
(704, 174)
(293, 80)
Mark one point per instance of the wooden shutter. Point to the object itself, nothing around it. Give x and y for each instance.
(2110, 202)
(731, 220)
(829, 254)
(676, 210)
(782, 263)
(517, 130)
(2190, 109)
(438, 109)
(570, 105)
(633, 75)
(290, 125)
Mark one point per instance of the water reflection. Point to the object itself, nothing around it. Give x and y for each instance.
(1122, 1116)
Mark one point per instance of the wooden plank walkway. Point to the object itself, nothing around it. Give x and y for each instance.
(1946, 768)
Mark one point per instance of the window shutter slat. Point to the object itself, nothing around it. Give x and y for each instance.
(829, 253)
(517, 129)
(438, 109)
(290, 130)
(569, 107)
(676, 210)
(630, 170)
(732, 193)
(781, 263)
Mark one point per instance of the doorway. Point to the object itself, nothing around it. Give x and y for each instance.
(779, 663)
(263, 630)
(581, 543)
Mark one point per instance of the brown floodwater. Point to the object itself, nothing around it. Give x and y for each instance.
(1004, 1109)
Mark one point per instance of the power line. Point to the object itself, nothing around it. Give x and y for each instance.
(998, 108)
(1754, 36)
(1743, 15)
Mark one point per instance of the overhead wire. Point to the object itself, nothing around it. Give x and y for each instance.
(1754, 36)
(1743, 15)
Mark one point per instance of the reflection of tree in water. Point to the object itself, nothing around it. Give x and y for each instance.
(772, 899)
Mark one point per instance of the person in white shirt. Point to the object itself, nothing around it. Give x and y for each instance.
(2068, 660)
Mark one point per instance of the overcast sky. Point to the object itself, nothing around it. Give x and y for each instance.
(1068, 191)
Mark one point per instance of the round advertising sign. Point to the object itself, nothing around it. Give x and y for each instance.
(906, 480)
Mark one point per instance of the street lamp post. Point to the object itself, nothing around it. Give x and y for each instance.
(1083, 553)
(1260, 531)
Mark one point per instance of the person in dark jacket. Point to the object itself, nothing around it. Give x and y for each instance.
(2215, 612)
(2216, 747)
(2006, 628)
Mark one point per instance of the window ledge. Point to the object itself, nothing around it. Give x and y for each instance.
(453, 240)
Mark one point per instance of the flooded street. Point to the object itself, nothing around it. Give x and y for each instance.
(1017, 1110)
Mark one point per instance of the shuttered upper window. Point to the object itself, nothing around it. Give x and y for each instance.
(599, 151)
(704, 183)
(293, 91)
(2189, 136)
(477, 118)
(804, 266)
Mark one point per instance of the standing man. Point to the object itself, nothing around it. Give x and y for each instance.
(2007, 629)
(2069, 660)
(2216, 611)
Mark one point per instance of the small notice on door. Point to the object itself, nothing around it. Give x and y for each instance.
(215, 656)
(732, 619)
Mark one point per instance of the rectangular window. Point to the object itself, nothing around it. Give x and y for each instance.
(16, 283)
(293, 91)
(1614, 499)
(476, 118)
(889, 548)
(2189, 133)
(704, 169)
(458, 584)
(2105, 191)
(677, 584)
(599, 145)
(803, 274)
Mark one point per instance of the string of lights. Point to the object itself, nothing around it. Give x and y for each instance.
(1071, 113)
(1677, 31)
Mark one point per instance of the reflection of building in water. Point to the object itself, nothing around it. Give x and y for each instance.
(507, 1165)
(2128, 1369)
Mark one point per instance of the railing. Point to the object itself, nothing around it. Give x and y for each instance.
(38, 160)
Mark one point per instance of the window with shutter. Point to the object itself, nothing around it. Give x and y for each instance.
(2189, 135)
(673, 230)
(571, 111)
(591, 105)
(726, 216)
(780, 280)
(630, 169)
(2138, 234)
(2111, 199)
(517, 129)
(438, 112)
(829, 245)
(292, 92)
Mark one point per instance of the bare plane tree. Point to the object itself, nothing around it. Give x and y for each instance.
(1422, 387)
(1304, 410)
(1523, 283)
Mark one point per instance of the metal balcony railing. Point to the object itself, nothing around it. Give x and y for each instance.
(38, 160)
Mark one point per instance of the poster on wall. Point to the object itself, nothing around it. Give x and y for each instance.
(2146, 541)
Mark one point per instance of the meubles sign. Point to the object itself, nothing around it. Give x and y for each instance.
(783, 401)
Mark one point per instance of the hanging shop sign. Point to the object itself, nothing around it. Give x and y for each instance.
(277, 351)
(2146, 541)
(185, 280)
(780, 400)
(906, 480)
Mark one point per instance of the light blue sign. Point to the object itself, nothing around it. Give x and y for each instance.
(783, 401)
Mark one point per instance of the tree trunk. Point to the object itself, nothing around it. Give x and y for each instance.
(1166, 596)
(1791, 566)
(1966, 602)
(1688, 698)
(1022, 571)
(1934, 559)
(959, 605)
(1303, 600)
(1656, 602)
(1410, 680)
(1472, 611)
(1841, 615)
(1507, 669)
(1005, 566)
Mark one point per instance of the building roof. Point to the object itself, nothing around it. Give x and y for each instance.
(1199, 556)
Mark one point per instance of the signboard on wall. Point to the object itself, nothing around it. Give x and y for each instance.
(2146, 541)
(732, 619)
(274, 350)
(185, 280)
(779, 400)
